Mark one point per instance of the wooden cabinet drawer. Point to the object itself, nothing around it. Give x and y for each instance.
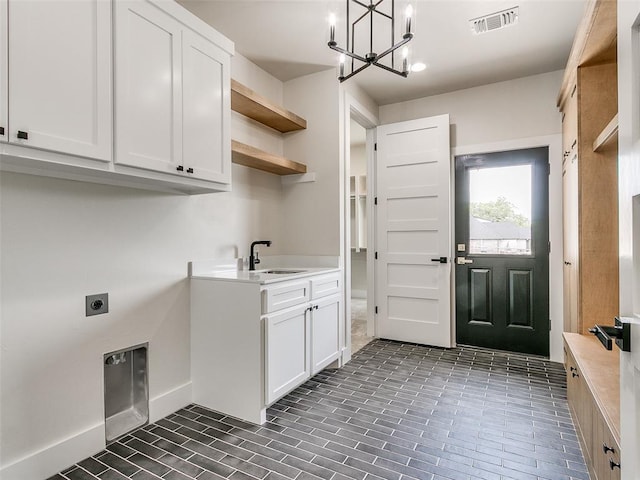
(325, 285)
(285, 295)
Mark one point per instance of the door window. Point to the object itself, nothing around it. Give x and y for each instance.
(500, 210)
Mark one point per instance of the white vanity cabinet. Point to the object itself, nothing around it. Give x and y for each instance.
(172, 92)
(55, 76)
(304, 338)
(252, 342)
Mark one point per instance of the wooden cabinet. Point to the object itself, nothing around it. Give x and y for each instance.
(59, 72)
(172, 95)
(588, 101)
(593, 393)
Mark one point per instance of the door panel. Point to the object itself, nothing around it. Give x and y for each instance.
(60, 76)
(413, 230)
(502, 234)
(148, 87)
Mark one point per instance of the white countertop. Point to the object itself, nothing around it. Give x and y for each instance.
(261, 276)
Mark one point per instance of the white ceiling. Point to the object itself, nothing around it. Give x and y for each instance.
(289, 39)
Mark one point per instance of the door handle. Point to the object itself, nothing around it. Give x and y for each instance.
(463, 261)
(440, 260)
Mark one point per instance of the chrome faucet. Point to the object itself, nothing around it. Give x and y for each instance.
(253, 259)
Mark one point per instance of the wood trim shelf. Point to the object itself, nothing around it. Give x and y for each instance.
(252, 157)
(607, 136)
(595, 41)
(252, 105)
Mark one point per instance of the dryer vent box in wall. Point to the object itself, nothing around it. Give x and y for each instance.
(126, 391)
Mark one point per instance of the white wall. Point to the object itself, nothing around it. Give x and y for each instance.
(311, 211)
(61, 240)
(508, 115)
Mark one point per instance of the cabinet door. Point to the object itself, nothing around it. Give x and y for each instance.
(325, 332)
(148, 87)
(4, 93)
(206, 109)
(60, 76)
(570, 241)
(286, 351)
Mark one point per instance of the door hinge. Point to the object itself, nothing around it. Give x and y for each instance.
(548, 169)
(375, 200)
(375, 147)
(376, 309)
(549, 324)
(376, 255)
(549, 246)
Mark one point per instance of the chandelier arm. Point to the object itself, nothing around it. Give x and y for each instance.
(389, 69)
(342, 79)
(391, 49)
(348, 53)
(364, 5)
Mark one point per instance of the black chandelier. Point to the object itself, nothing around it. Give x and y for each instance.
(371, 58)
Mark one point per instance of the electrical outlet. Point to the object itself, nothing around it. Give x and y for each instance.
(97, 304)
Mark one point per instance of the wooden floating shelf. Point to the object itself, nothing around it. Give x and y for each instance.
(607, 136)
(252, 157)
(250, 104)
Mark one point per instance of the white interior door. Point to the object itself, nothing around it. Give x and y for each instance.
(413, 231)
(629, 218)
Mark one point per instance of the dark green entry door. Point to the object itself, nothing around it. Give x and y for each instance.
(502, 250)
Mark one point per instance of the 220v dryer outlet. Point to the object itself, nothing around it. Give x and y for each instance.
(97, 304)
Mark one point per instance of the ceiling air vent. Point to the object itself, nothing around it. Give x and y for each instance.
(494, 21)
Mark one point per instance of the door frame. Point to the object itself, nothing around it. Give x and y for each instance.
(554, 143)
(352, 108)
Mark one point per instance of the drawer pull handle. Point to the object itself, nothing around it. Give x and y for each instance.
(1, 130)
(613, 464)
(23, 135)
(574, 374)
(573, 369)
(180, 168)
(606, 448)
(189, 170)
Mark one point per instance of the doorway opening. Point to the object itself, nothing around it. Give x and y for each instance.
(502, 250)
(358, 235)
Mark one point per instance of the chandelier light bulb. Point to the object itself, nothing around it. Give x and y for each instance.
(332, 27)
(408, 13)
(405, 59)
(343, 59)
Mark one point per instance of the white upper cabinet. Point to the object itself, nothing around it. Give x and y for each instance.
(4, 93)
(59, 72)
(172, 93)
(206, 108)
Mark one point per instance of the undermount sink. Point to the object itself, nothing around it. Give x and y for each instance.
(284, 272)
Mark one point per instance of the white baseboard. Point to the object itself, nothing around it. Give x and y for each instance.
(57, 457)
(169, 402)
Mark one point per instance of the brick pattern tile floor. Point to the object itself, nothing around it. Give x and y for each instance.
(395, 412)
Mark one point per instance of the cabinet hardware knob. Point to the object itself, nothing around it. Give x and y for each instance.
(606, 448)
(180, 168)
(316, 307)
(567, 263)
(23, 135)
(613, 464)
(189, 170)
(1, 130)
(573, 369)
(574, 374)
